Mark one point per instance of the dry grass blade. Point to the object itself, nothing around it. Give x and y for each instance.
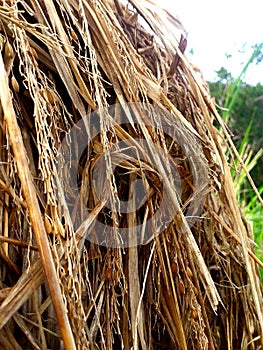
(33, 208)
(115, 189)
(20, 322)
(21, 292)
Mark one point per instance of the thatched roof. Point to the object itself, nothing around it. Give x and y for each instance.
(120, 227)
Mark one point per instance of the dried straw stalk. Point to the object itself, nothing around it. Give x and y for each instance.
(190, 287)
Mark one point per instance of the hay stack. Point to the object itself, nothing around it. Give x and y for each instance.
(194, 284)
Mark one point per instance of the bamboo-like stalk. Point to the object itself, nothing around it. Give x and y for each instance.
(34, 210)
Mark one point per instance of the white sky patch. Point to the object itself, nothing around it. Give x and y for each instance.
(217, 28)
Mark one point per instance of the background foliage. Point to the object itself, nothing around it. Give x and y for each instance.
(241, 106)
(248, 106)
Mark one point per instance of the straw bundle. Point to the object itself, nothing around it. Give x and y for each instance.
(96, 97)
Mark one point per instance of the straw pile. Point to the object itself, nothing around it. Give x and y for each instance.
(194, 284)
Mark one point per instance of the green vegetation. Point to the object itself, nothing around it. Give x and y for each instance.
(254, 215)
(242, 103)
(242, 109)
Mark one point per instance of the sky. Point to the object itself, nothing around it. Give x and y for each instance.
(220, 28)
